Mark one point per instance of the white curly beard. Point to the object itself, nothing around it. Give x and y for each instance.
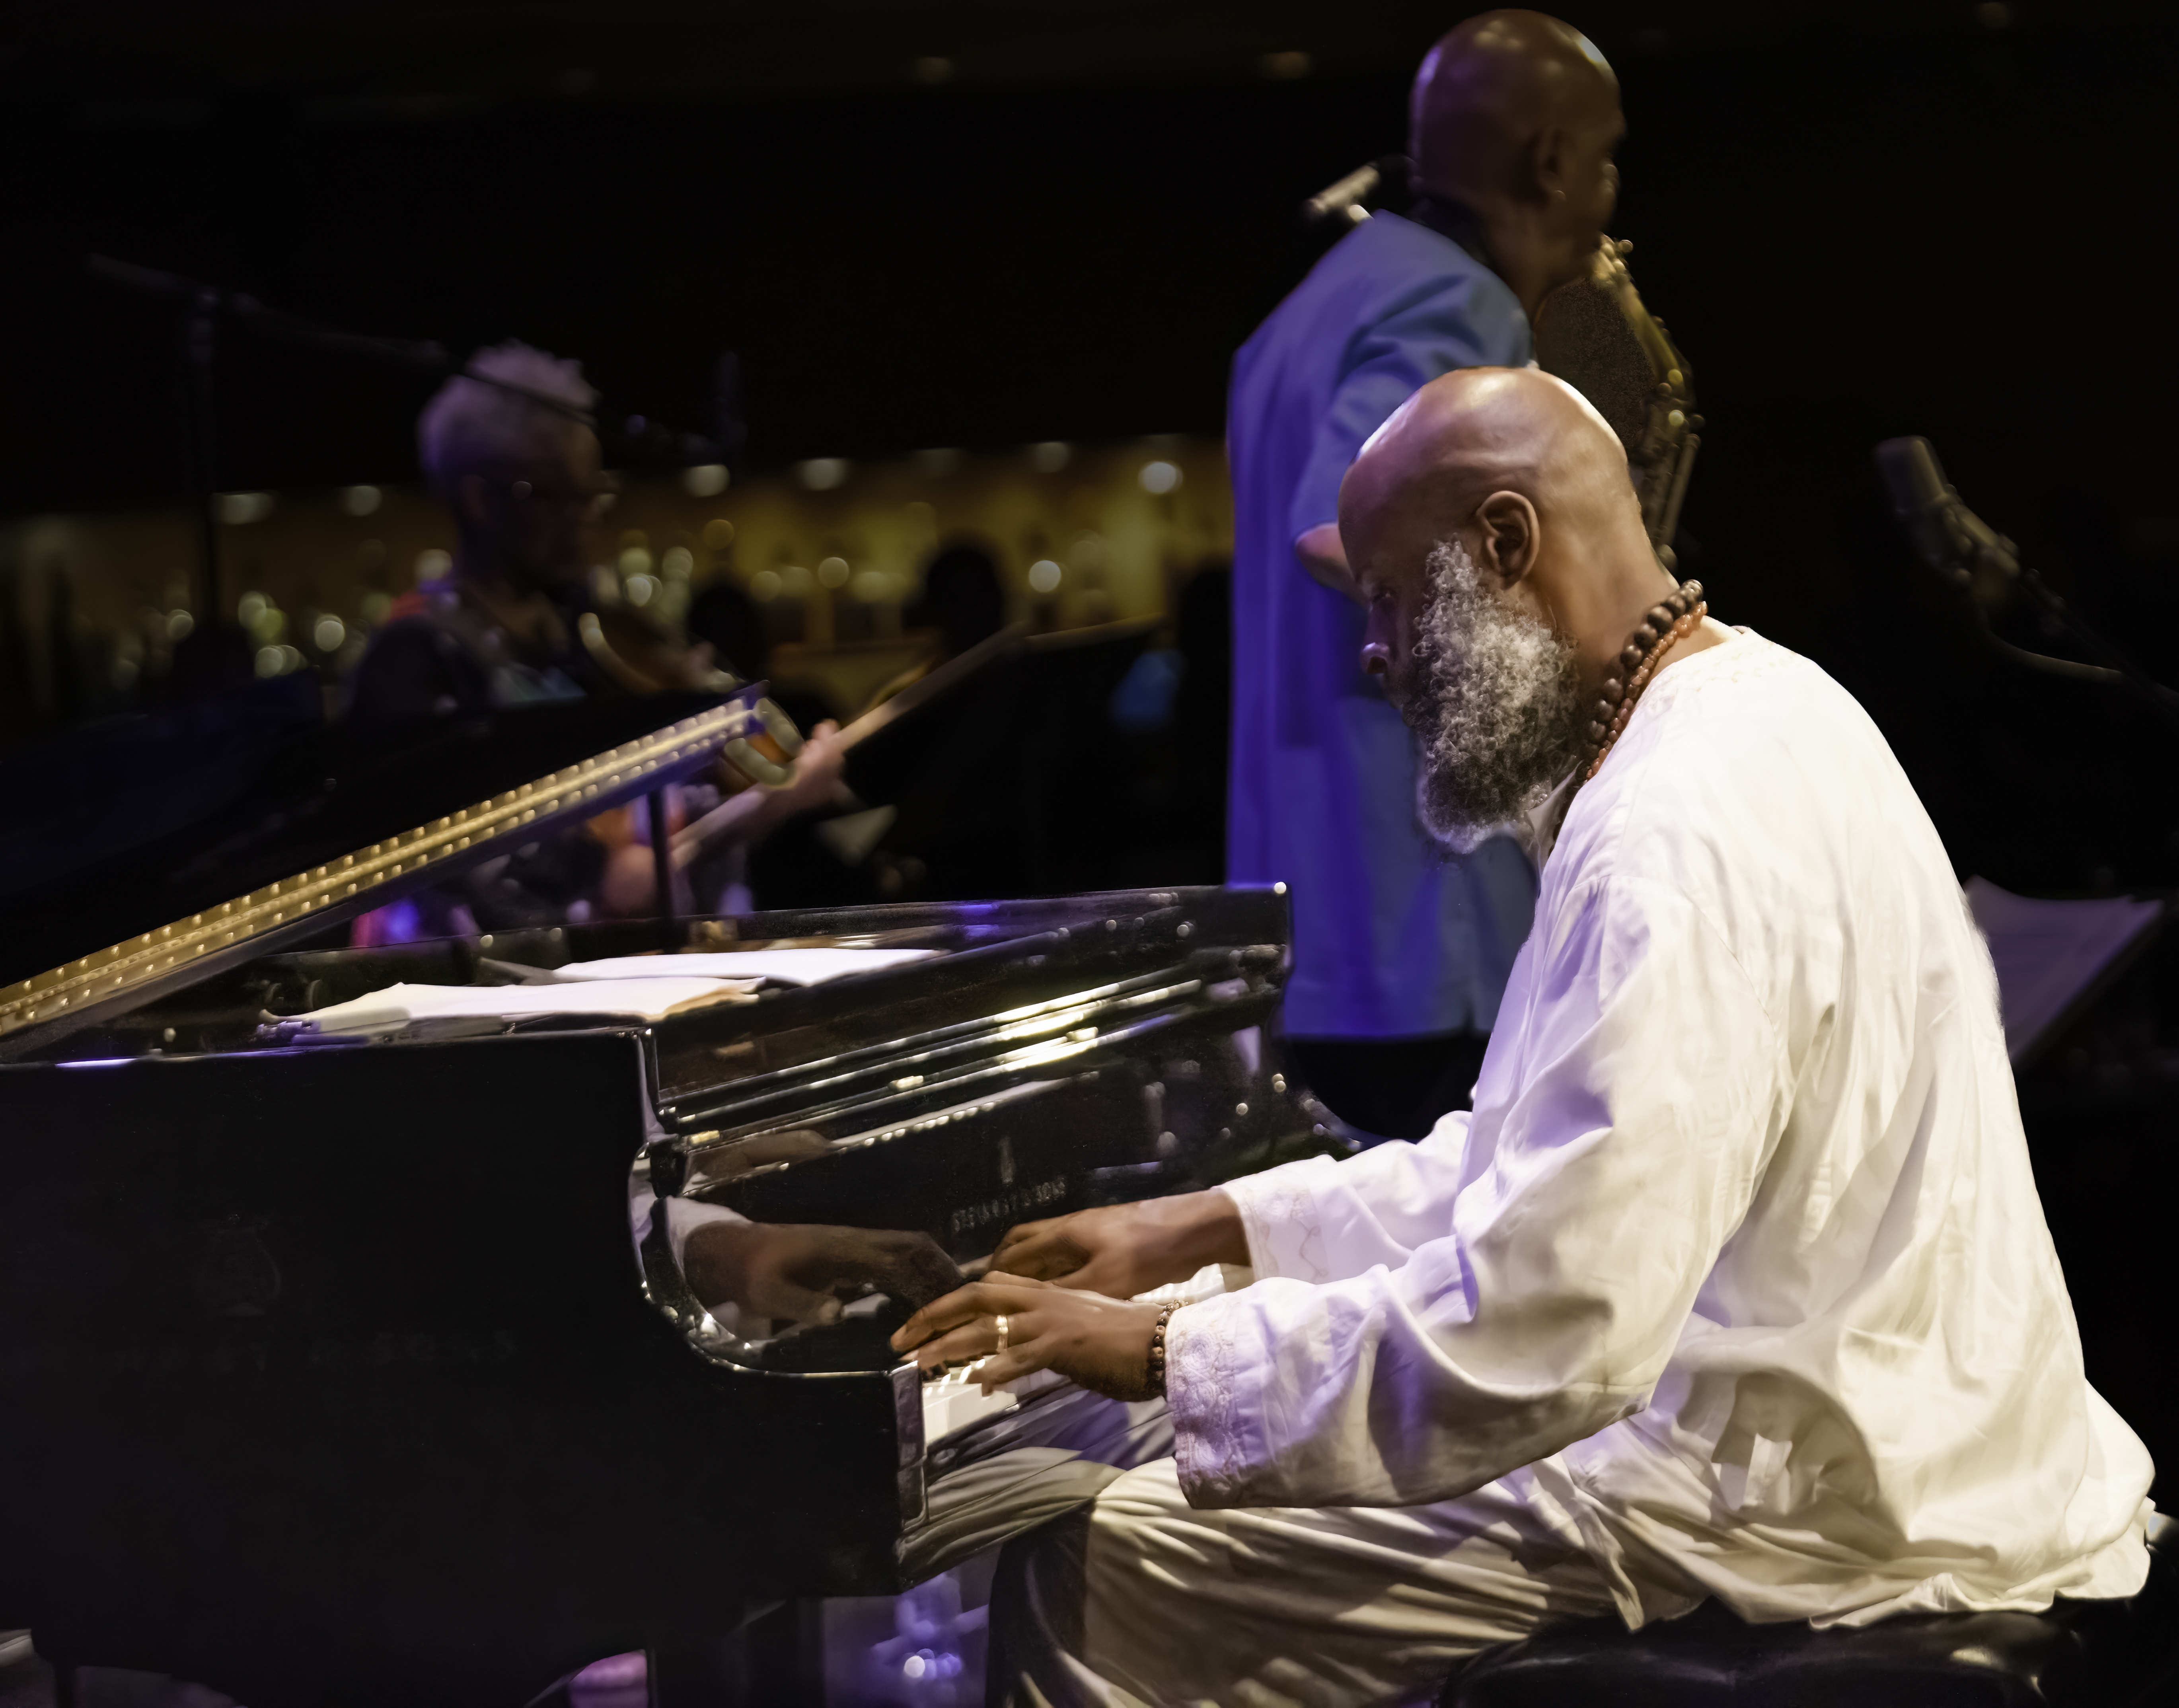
(1496, 700)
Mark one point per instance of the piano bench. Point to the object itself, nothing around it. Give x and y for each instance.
(2079, 1655)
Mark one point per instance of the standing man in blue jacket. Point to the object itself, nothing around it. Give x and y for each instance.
(1401, 953)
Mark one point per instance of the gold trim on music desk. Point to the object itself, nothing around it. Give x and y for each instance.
(99, 975)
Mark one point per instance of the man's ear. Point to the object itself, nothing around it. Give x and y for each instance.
(1510, 533)
(1546, 164)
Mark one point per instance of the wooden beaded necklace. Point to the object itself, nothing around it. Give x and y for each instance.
(1667, 623)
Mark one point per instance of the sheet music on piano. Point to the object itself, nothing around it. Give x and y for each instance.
(399, 1007)
(635, 987)
(796, 966)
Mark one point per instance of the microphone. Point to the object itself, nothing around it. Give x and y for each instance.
(1952, 539)
(1971, 554)
(1346, 203)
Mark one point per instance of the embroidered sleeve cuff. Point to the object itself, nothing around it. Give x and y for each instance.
(1211, 1361)
(1279, 1213)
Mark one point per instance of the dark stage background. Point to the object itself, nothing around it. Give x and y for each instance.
(1860, 221)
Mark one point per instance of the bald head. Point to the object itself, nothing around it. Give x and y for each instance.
(1520, 469)
(1490, 89)
(1493, 535)
(1480, 431)
(1515, 115)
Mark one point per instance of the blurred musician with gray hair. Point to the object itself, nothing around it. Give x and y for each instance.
(510, 447)
(522, 479)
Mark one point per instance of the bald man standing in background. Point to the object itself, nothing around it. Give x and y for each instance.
(1400, 954)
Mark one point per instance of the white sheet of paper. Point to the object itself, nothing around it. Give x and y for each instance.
(638, 999)
(2047, 953)
(788, 966)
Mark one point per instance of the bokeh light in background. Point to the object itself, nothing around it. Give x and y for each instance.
(832, 551)
(240, 509)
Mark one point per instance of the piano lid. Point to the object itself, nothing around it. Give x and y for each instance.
(332, 822)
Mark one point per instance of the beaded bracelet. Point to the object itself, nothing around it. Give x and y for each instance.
(1157, 1350)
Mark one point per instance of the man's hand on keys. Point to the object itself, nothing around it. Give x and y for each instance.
(1126, 1249)
(1102, 1344)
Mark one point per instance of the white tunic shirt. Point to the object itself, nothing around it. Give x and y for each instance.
(1740, 1247)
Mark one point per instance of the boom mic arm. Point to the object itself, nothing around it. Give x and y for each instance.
(1974, 555)
(636, 432)
(1952, 540)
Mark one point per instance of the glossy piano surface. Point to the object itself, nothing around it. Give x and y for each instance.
(330, 1369)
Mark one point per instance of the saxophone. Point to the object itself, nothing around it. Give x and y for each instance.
(1595, 334)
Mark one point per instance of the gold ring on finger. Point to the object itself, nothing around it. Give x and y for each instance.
(1002, 1334)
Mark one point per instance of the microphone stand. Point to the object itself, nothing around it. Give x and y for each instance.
(1964, 549)
(2053, 614)
(205, 305)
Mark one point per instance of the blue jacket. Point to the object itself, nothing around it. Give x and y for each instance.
(1392, 936)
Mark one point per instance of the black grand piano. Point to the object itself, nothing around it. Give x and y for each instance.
(345, 1367)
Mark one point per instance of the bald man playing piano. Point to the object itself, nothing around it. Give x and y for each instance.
(1734, 1284)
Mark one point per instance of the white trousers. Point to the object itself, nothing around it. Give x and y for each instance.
(1144, 1602)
